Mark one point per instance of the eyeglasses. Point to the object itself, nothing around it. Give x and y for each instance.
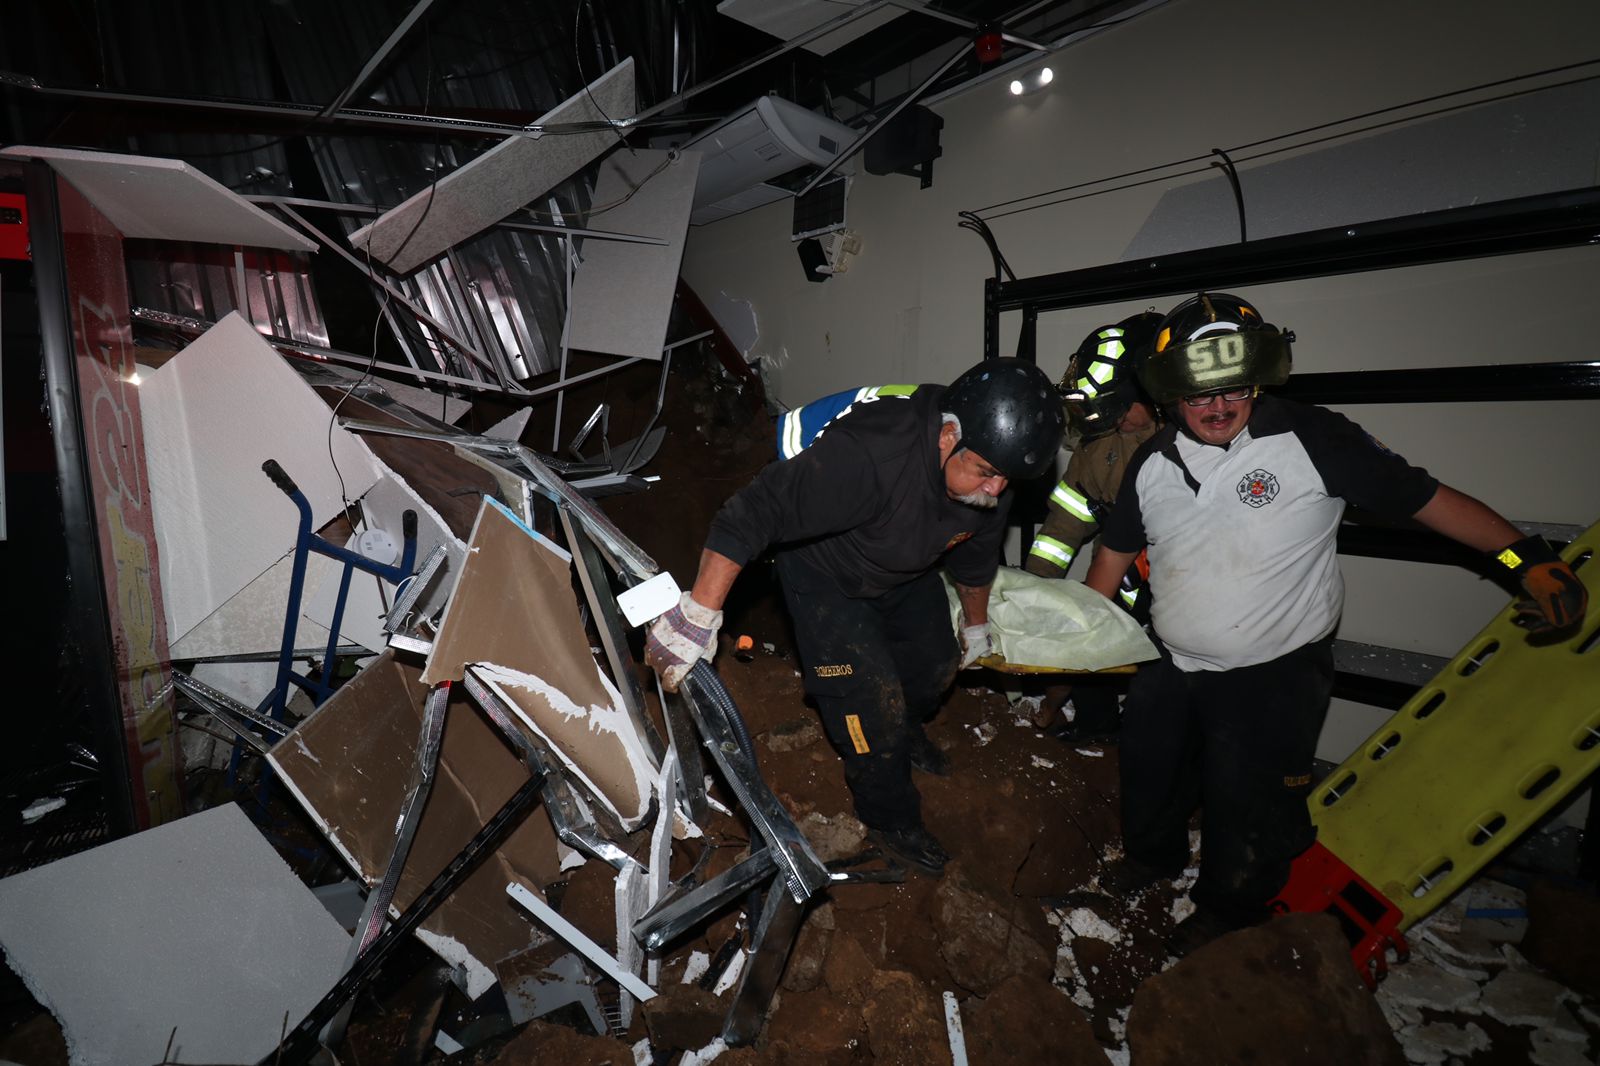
(1229, 395)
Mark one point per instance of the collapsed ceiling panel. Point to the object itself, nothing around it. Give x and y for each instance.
(486, 190)
(788, 19)
(121, 943)
(622, 294)
(212, 415)
(349, 765)
(165, 199)
(514, 611)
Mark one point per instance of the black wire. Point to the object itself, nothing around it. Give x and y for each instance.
(577, 61)
(1297, 133)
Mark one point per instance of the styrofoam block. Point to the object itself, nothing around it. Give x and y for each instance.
(212, 415)
(510, 175)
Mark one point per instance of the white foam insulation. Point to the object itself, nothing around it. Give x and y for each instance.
(194, 931)
(370, 596)
(788, 19)
(622, 293)
(515, 616)
(165, 199)
(503, 179)
(212, 415)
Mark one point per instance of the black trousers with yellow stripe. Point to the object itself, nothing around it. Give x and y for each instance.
(877, 669)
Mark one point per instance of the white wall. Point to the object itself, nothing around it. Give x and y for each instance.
(1174, 83)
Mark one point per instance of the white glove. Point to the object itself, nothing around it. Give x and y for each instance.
(680, 638)
(976, 642)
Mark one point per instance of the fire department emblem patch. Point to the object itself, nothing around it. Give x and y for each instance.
(1258, 488)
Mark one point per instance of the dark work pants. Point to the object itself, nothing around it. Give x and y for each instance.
(1239, 744)
(877, 669)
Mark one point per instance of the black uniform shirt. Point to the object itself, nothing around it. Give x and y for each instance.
(866, 504)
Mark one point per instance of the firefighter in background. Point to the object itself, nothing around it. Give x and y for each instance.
(871, 496)
(1238, 500)
(1109, 414)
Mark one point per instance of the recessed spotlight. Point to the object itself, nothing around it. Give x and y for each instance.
(1045, 76)
(1016, 88)
(1032, 82)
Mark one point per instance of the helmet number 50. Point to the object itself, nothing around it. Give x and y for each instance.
(1211, 358)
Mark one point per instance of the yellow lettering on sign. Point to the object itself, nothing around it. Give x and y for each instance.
(852, 722)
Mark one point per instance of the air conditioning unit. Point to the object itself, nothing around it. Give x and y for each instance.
(743, 152)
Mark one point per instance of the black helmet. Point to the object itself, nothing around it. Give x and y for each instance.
(1211, 342)
(1102, 382)
(1010, 414)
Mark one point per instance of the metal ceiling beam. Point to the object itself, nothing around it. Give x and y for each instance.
(377, 59)
(1525, 224)
(917, 7)
(532, 227)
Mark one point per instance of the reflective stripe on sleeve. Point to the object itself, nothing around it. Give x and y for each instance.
(790, 439)
(1052, 551)
(1129, 597)
(1072, 501)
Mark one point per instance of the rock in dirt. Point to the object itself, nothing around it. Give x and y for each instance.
(905, 1021)
(804, 970)
(1562, 936)
(833, 836)
(1283, 992)
(847, 968)
(1025, 1022)
(978, 939)
(684, 1017)
(793, 735)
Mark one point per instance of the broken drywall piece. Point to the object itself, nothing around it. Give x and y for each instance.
(511, 426)
(1522, 997)
(622, 293)
(514, 617)
(251, 621)
(212, 415)
(510, 175)
(1421, 984)
(349, 765)
(737, 317)
(146, 935)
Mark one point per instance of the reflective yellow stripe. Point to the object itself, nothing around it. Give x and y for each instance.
(1052, 551)
(1510, 558)
(1129, 598)
(1110, 349)
(1086, 387)
(858, 739)
(791, 434)
(1102, 372)
(1072, 501)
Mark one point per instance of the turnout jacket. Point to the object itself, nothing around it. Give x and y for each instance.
(1093, 473)
(864, 502)
(1241, 537)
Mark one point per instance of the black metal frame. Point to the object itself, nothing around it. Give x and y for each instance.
(87, 611)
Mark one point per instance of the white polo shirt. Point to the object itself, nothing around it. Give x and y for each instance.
(1241, 538)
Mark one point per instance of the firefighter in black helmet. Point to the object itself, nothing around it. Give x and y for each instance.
(1238, 501)
(895, 482)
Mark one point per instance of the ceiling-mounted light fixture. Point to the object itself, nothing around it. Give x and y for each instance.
(1032, 82)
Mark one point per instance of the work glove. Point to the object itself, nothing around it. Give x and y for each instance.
(976, 642)
(680, 638)
(1556, 599)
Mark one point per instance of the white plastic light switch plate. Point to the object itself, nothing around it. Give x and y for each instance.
(649, 599)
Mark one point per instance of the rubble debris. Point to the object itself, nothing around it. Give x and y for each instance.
(1085, 922)
(1519, 997)
(810, 951)
(1026, 1021)
(847, 969)
(905, 1021)
(793, 735)
(1419, 983)
(835, 836)
(1441, 1041)
(1264, 994)
(683, 1018)
(1551, 1049)
(120, 943)
(978, 938)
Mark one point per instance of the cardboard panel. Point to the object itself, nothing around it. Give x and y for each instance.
(213, 414)
(622, 293)
(515, 611)
(349, 764)
(508, 176)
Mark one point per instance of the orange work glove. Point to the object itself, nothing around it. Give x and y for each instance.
(1556, 598)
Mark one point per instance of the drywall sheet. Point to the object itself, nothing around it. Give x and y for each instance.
(622, 293)
(350, 764)
(165, 199)
(367, 604)
(519, 169)
(212, 416)
(788, 19)
(252, 620)
(514, 611)
(195, 926)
